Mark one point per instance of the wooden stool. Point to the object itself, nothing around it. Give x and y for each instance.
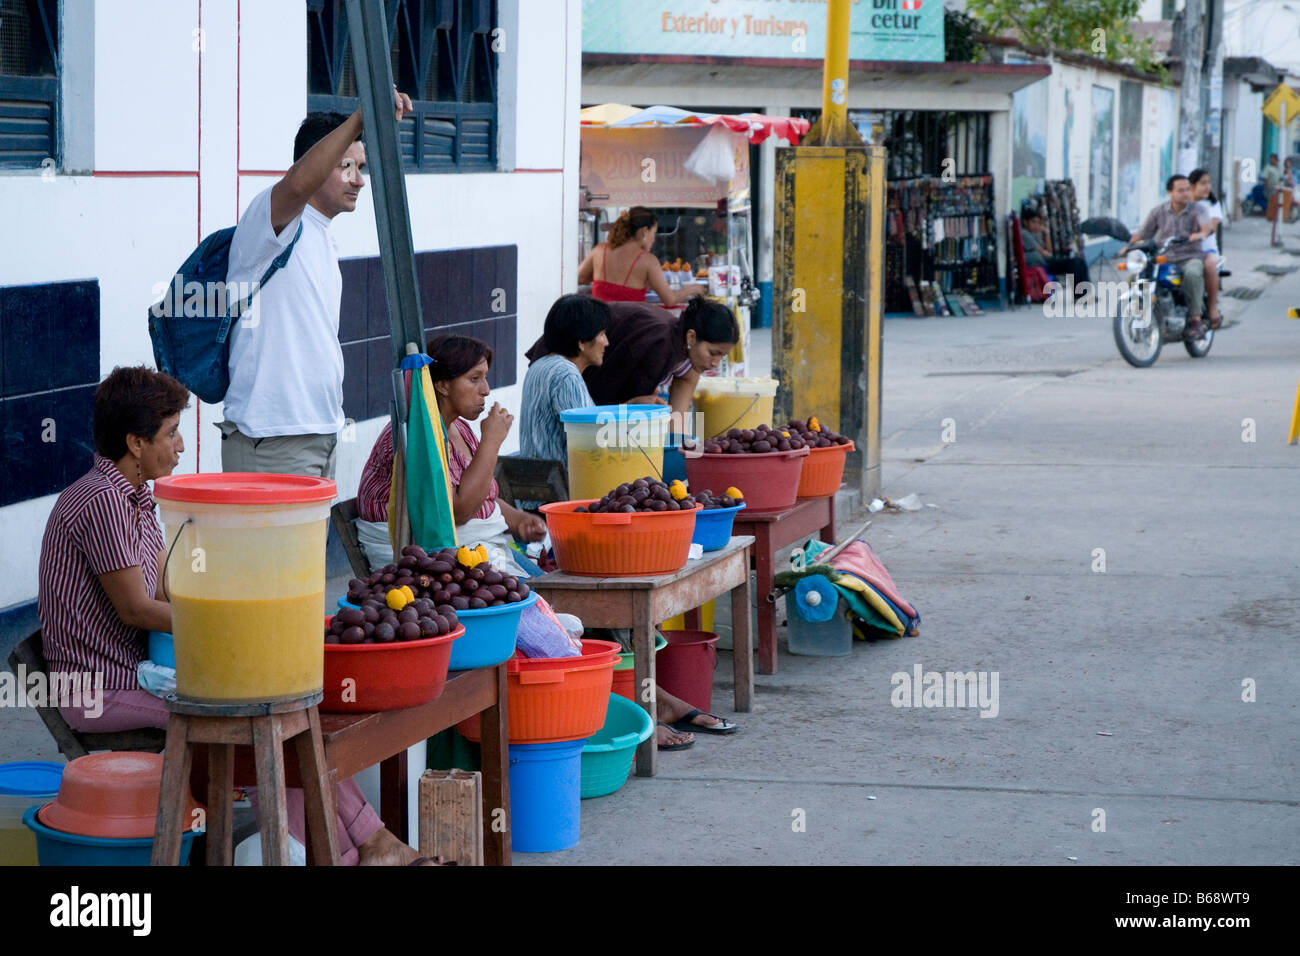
(265, 726)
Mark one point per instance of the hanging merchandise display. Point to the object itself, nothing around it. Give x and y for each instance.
(941, 247)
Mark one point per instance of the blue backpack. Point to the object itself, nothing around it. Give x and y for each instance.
(191, 325)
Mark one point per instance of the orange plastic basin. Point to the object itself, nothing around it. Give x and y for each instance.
(112, 794)
(552, 699)
(619, 545)
(823, 471)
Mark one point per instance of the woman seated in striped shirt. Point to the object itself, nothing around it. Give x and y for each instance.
(459, 372)
(101, 586)
(574, 339)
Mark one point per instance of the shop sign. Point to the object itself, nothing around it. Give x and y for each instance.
(778, 29)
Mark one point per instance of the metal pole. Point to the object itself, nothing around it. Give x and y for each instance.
(1189, 112)
(370, 50)
(832, 127)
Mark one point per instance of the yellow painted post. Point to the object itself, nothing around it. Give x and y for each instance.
(828, 275)
(1295, 420)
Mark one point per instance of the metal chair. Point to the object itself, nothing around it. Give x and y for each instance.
(532, 480)
(29, 655)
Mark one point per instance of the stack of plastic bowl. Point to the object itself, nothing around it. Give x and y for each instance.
(104, 813)
(554, 705)
(607, 754)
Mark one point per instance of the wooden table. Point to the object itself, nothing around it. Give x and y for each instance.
(642, 602)
(772, 532)
(354, 742)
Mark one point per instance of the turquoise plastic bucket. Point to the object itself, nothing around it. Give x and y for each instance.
(545, 801)
(607, 756)
(489, 636)
(162, 650)
(56, 848)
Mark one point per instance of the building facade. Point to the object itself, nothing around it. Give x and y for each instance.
(158, 121)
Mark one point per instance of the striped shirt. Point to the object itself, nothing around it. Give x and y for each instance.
(552, 385)
(99, 524)
(377, 476)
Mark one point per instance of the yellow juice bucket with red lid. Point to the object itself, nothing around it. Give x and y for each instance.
(246, 580)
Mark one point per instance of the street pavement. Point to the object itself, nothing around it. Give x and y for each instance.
(1121, 734)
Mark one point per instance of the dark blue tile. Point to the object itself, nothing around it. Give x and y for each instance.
(460, 286)
(377, 322)
(507, 350)
(355, 379)
(47, 439)
(435, 293)
(379, 389)
(76, 432)
(507, 268)
(51, 335)
(355, 304)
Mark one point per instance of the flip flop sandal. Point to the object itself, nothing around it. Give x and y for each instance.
(683, 746)
(722, 727)
(424, 860)
(1215, 321)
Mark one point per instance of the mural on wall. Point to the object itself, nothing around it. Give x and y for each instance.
(1101, 167)
(1128, 201)
(1168, 127)
(1066, 127)
(1029, 141)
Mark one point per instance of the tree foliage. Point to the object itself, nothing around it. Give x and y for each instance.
(1094, 27)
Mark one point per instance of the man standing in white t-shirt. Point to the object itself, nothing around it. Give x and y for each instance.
(284, 407)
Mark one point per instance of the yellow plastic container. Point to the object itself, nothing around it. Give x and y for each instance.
(678, 623)
(23, 785)
(612, 444)
(728, 403)
(246, 579)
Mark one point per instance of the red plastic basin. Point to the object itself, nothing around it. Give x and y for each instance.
(369, 677)
(769, 481)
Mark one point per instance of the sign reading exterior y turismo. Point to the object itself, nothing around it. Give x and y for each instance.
(777, 29)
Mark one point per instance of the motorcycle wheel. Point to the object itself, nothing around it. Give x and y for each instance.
(1139, 347)
(1199, 348)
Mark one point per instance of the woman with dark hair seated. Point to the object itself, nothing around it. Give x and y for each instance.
(101, 585)
(100, 581)
(574, 339)
(459, 372)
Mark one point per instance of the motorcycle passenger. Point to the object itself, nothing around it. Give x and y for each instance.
(1178, 218)
(1210, 211)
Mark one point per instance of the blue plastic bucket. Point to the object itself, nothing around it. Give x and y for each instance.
(713, 527)
(607, 756)
(489, 636)
(545, 796)
(162, 650)
(344, 602)
(23, 785)
(56, 848)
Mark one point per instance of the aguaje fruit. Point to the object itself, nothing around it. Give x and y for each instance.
(755, 441)
(814, 434)
(420, 599)
(643, 495)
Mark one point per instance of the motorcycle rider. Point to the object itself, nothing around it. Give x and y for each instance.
(1179, 218)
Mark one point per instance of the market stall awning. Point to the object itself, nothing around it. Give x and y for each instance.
(756, 127)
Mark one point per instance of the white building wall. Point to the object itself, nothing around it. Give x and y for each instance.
(156, 188)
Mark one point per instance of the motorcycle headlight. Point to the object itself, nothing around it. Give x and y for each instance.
(1135, 262)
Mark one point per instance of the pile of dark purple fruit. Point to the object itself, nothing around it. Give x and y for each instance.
(377, 623)
(710, 500)
(754, 441)
(643, 495)
(814, 434)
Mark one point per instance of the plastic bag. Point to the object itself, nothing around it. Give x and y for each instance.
(714, 158)
(541, 634)
(156, 679)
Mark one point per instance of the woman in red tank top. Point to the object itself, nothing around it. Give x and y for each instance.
(628, 253)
